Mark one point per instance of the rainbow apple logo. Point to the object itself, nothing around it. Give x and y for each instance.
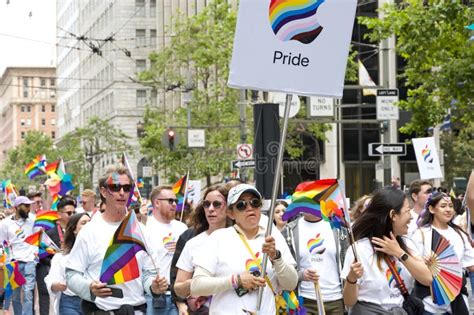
(426, 153)
(168, 241)
(253, 265)
(389, 276)
(316, 245)
(295, 19)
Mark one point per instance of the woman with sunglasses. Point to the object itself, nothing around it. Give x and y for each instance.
(385, 257)
(65, 301)
(436, 221)
(229, 266)
(209, 216)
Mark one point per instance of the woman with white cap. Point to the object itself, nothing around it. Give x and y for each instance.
(229, 267)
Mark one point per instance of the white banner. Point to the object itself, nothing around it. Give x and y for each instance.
(293, 46)
(194, 192)
(427, 158)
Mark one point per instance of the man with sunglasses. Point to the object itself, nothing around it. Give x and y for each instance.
(419, 191)
(165, 231)
(84, 264)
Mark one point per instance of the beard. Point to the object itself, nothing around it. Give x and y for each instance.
(23, 213)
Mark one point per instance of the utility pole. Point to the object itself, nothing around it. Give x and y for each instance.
(388, 79)
(243, 129)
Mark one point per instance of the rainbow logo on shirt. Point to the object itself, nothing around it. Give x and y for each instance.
(295, 20)
(168, 241)
(253, 265)
(316, 245)
(19, 233)
(426, 153)
(389, 276)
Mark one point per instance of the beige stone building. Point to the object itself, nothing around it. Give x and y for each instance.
(27, 102)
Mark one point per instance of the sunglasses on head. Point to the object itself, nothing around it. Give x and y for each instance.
(216, 204)
(241, 205)
(118, 187)
(170, 200)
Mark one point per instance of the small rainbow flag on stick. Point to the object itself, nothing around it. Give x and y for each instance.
(9, 193)
(12, 278)
(120, 264)
(36, 167)
(46, 245)
(136, 196)
(179, 189)
(46, 219)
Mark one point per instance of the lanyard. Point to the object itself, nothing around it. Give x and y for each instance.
(60, 232)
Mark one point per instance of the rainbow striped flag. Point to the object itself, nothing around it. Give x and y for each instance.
(120, 264)
(179, 189)
(36, 167)
(46, 245)
(9, 193)
(321, 198)
(46, 219)
(12, 278)
(140, 182)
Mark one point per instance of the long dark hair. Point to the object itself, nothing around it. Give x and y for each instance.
(375, 221)
(427, 217)
(199, 220)
(69, 235)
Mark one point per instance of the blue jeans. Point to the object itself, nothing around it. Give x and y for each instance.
(70, 305)
(168, 308)
(28, 270)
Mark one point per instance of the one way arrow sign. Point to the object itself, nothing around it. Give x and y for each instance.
(243, 164)
(378, 149)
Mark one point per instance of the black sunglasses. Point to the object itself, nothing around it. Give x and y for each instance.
(170, 200)
(241, 205)
(207, 204)
(118, 187)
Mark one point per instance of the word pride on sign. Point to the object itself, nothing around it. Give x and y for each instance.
(293, 46)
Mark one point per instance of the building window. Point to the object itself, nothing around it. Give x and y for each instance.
(22, 122)
(28, 108)
(152, 38)
(23, 135)
(140, 7)
(43, 82)
(53, 134)
(43, 122)
(25, 87)
(152, 8)
(53, 122)
(43, 108)
(141, 65)
(141, 97)
(140, 39)
(154, 97)
(22, 108)
(28, 122)
(53, 108)
(52, 82)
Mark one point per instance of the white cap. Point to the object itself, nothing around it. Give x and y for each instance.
(237, 191)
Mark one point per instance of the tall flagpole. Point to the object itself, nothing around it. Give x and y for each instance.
(185, 196)
(127, 166)
(276, 184)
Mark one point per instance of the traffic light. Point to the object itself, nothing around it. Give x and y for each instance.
(171, 135)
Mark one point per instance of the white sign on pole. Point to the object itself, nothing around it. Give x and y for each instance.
(147, 171)
(244, 151)
(196, 138)
(427, 158)
(280, 98)
(194, 191)
(303, 52)
(321, 107)
(386, 110)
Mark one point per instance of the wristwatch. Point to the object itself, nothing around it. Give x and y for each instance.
(403, 257)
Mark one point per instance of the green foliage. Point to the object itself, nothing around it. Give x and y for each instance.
(439, 72)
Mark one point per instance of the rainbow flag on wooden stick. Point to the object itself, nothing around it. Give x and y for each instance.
(46, 219)
(120, 264)
(179, 189)
(36, 167)
(9, 193)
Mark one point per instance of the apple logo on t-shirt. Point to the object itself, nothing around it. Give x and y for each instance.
(253, 265)
(390, 278)
(316, 245)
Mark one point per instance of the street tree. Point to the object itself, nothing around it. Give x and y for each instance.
(432, 39)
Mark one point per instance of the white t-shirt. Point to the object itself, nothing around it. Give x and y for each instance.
(57, 273)
(15, 232)
(462, 248)
(412, 226)
(162, 236)
(376, 285)
(317, 250)
(190, 250)
(224, 254)
(88, 253)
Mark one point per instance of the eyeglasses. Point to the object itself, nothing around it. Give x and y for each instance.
(216, 204)
(170, 200)
(118, 187)
(241, 205)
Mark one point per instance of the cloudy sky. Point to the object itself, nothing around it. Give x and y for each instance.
(27, 33)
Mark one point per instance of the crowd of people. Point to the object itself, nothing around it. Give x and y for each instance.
(212, 263)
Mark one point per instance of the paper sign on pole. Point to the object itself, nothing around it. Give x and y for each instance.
(294, 46)
(427, 158)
